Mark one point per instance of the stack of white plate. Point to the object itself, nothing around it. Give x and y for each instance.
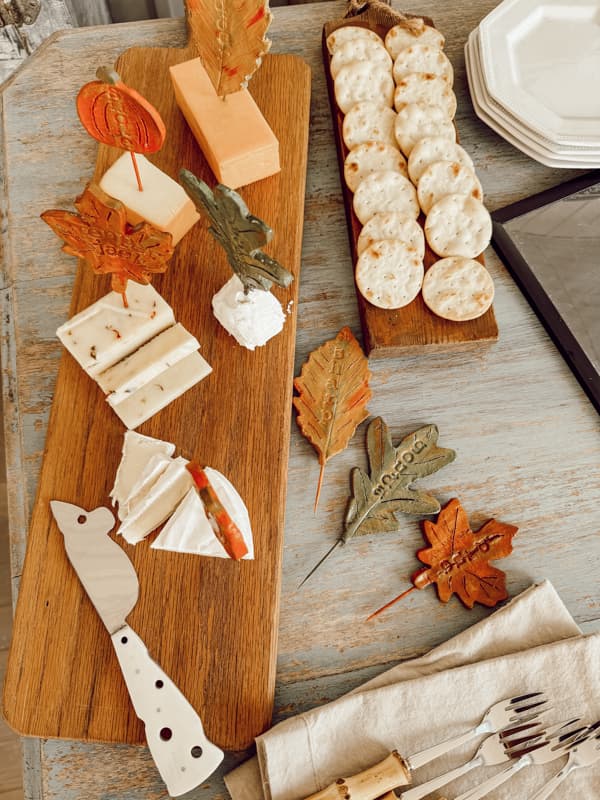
(534, 72)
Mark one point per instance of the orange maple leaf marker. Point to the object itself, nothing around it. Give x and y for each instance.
(102, 237)
(458, 559)
(116, 115)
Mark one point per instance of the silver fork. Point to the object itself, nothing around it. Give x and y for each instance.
(495, 749)
(554, 743)
(512, 711)
(585, 753)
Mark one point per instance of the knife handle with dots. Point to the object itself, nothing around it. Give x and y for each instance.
(182, 753)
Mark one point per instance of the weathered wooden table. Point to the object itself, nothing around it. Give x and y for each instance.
(527, 438)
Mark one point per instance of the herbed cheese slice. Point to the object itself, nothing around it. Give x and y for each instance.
(190, 531)
(163, 202)
(137, 451)
(142, 404)
(106, 332)
(159, 503)
(148, 362)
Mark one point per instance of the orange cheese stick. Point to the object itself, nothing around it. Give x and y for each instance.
(227, 531)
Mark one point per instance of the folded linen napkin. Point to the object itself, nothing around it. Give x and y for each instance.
(531, 644)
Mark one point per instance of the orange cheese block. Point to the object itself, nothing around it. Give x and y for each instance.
(232, 133)
(163, 202)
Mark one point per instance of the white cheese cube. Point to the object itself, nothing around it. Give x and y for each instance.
(159, 503)
(107, 332)
(163, 202)
(142, 404)
(147, 363)
(137, 451)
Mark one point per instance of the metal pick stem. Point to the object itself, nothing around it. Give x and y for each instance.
(318, 564)
(137, 172)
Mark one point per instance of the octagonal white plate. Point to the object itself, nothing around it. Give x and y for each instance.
(541, 60)
(475, 79)
(588, 156)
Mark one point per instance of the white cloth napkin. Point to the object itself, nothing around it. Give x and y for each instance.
(531, 644)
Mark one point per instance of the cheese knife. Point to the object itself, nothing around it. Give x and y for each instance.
(182, 753)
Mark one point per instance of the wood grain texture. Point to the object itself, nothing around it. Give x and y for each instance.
(391, 333)
(211, 626)
(527, 438)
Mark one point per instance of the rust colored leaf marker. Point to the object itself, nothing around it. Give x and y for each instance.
(459, 560)
(118, 116)
(102, 237)
(230, 36)
(387, 489)
(333, 391)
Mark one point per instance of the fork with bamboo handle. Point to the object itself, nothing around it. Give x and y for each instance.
(395, 771)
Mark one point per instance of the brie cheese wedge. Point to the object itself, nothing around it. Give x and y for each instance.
(137, 451)
(190, 531)
(158, 503)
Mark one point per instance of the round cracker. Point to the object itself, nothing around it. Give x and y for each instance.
(369, 122)
(414, 121)
(349, 32)
(458, 289)
(359, 49)
(372, 157)
(402, 36)
(435, 148)
(392, 225)
(425, 87)
(423, 58)
(389, 274)
(458, 225)
(446, 177)
(363, 81)
(385, 191)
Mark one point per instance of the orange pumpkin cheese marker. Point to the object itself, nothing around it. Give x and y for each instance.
(226, 531)
(116, 115)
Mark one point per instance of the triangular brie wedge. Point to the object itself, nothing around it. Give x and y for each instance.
(189, 530)
(137, 451)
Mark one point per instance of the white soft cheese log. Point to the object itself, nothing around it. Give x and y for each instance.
(189, 530)
(107, 332)
(159, 503)
(142, 404)
(163, 202)
(137, 451)
(147, 363)
(253, 318)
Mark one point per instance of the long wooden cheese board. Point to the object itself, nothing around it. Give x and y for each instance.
(391, 333)
(211, 623)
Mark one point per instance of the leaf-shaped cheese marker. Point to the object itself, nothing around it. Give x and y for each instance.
(376, 497)
(458, 559)
(387, 489)
(333, 391)
(230, 37)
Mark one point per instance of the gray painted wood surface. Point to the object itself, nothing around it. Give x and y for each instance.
(527, 438)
